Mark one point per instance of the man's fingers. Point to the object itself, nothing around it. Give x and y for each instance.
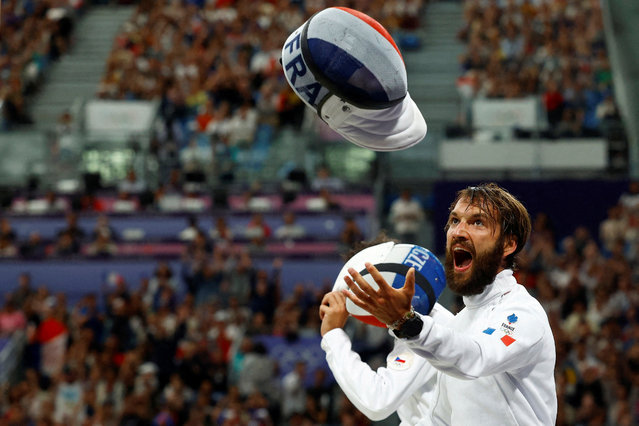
(377, 276)
(338, 299)
(325, 299)
(356, 300)
(332, 300)
(362, 283)
(356, 295)
(356, 289)
(322, 311)
(409, 283)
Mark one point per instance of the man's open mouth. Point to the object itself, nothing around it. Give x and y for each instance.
(463, 259)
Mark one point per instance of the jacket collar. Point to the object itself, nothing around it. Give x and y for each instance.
(503, 283)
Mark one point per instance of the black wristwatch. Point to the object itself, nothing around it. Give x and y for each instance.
(410, 328)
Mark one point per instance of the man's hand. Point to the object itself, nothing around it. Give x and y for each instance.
(386, 304)
(333, 312)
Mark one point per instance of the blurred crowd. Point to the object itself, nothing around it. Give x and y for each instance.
(101, 241)
(552, 49)
(212, 63)
(191, 353)
(214, 67)
(33, 34)
(155, 353)
(588, 286)
(252, 219)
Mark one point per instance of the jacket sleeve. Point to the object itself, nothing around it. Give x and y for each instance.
(440, 314)
(379, 393)
(508, 339)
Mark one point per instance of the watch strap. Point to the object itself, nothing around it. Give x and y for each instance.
(410, 328)
(397, 324)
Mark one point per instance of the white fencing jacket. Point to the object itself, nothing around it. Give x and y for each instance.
(496, 359)
(407, 384)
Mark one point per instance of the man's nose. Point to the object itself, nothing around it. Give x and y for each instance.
(461, 230)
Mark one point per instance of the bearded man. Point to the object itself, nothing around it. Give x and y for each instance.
(496, 357)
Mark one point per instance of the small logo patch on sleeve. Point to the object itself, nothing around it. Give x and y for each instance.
(507, 340)
(400, 362)
(489, 330)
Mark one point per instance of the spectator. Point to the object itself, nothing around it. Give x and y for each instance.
(6, 231)
(195, 365)
(265, 294)
(324, 180)
(11, 318)
(38, 401)
(54, 203)
(254, 202)
(257, 373)
(110, 389)
(7, 248)
(294, 391)
(162, 279)
(206, 114)
(34, 247)
(257, 231)
(322, 395)
(165, 200)
(194, 159)
(191, 230)
(350, 235)
(613, 228)
(607, 109)
(290, 230)
(406, 216)
(570, 124)
(553, 102)
(241, 278)
(221, 233)
(65, 246)
(103, 228)
(146, 381)
(102, 246)
(125, 203)
(23, 291)
(14, 110)
(323, 202)
(193, 259)
(242, 126)
(629, 199)
(132, 184)
(72, 232)
(512, 43)
(52, 335)
(68, 398)
(206, 282)
(176, 394)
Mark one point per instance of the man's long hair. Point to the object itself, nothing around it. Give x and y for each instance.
(507, 213)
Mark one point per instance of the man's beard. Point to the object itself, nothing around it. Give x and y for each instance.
(483, 271)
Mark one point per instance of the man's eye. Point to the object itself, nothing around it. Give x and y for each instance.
(454, 221)
(479, 222)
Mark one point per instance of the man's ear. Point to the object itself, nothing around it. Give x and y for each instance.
(510, 245)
